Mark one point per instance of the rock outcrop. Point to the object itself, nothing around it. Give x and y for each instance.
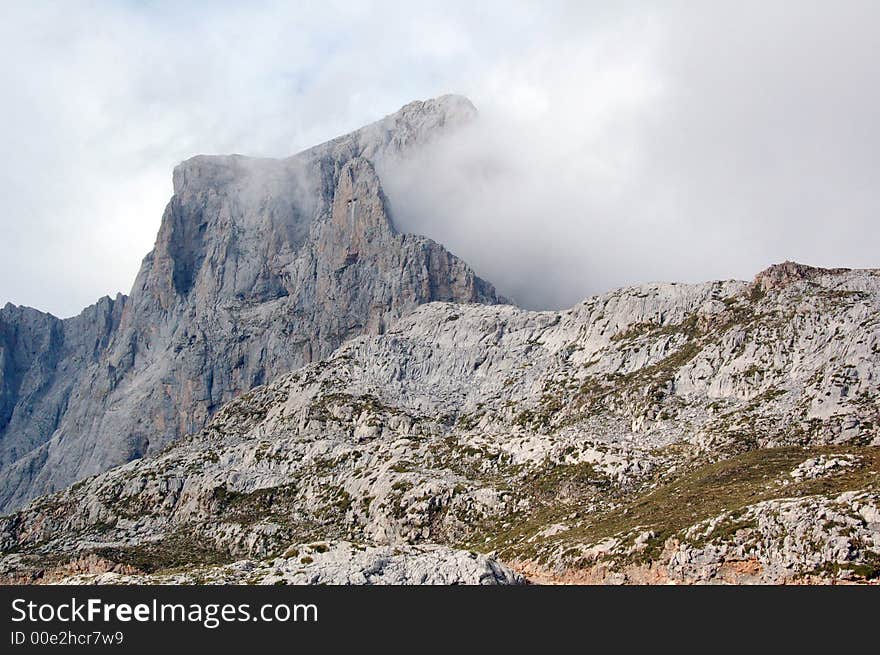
(260, 266)
(334, 563)
(585, 445)
(780, 275)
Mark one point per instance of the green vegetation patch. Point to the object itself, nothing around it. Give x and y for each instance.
(178, 550)
(705, 491)
(248, 508)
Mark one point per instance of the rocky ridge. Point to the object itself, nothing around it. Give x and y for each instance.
(664, 432)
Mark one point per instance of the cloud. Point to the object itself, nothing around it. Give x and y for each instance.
(618, 142)
(679, 145)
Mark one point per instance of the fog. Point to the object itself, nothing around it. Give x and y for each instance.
(679, 147)
(617, 142)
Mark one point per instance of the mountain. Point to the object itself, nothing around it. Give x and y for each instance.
(260, 266)
(717, 432)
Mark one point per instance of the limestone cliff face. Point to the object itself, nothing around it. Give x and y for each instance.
(663, 432)
(260, 266)
(42, 358)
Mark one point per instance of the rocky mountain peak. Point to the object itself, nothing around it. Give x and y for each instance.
(235, 222)
(260, 266)
(420, 120)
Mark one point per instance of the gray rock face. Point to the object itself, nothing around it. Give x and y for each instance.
(334, 563)
(42, 359)
(260, 266)
(783, 540)
(594, 435)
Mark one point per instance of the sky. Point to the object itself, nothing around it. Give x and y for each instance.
(618, 142)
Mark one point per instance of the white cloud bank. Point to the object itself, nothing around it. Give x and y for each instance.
(619, 142)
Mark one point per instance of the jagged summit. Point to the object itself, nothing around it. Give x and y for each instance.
(258, 212)
(413, 125)
(260, 266)
(447, 106)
